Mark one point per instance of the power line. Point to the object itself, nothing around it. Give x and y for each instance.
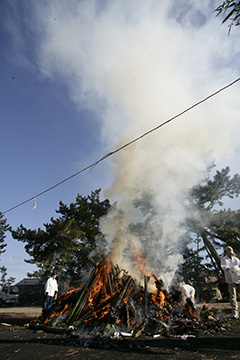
(123, 146)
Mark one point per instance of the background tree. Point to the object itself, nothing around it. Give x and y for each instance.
(3, 228)
(208, 227)
(3, 277)
(213, 227)
(67, 242)
(192, 270)
(231, 11)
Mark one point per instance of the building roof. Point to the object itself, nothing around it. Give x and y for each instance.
(27, 281)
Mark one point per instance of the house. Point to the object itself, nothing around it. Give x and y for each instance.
(30, 291)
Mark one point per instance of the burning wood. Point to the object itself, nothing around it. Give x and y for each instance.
(111, 302)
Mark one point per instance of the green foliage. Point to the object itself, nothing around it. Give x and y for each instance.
(215, 226)
(3, 228)
(231, 11)
(225, 229)
(209, 228)
(192, 268)
(3, 270)
(3, 277)
(66, 242)
(207, 195)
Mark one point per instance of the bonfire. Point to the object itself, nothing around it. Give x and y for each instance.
(112, 303)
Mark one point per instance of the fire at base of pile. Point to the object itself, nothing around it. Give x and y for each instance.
(112, 304)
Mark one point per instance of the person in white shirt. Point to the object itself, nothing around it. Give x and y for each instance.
(187, 292)
(231, 267)
(51, 290)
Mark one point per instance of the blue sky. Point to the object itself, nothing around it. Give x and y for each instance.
(79, 79)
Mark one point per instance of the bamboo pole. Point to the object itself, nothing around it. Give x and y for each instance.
(146, 295)
(82, 297)
(101, 306)
(110, 283)
(129, 284)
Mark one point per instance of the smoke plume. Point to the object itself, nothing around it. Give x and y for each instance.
(136, 64)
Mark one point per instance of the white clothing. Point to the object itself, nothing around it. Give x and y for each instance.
(51, 286)
(187, 291)
(231, 268)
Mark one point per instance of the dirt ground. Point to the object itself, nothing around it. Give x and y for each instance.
(18, 342)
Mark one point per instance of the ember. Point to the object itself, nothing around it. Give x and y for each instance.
(112, 303)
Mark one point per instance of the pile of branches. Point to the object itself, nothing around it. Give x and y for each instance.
(111, 303)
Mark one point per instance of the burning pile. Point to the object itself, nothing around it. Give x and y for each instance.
(112, 303)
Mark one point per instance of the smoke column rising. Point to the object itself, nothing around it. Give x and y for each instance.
(136, 64)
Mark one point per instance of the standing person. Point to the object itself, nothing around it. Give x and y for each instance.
(231, 267)
(51, 290)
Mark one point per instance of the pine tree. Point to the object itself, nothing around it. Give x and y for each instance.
(214, 226)
(3, 228)
(67, 242)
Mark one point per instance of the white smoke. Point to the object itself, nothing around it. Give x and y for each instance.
(136, 64)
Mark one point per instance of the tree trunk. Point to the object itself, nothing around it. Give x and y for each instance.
(212, 251)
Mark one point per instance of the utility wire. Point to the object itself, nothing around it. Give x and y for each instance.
(123, 146)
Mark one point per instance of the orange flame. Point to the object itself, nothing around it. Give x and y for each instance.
(141, 262)
(158, 298)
